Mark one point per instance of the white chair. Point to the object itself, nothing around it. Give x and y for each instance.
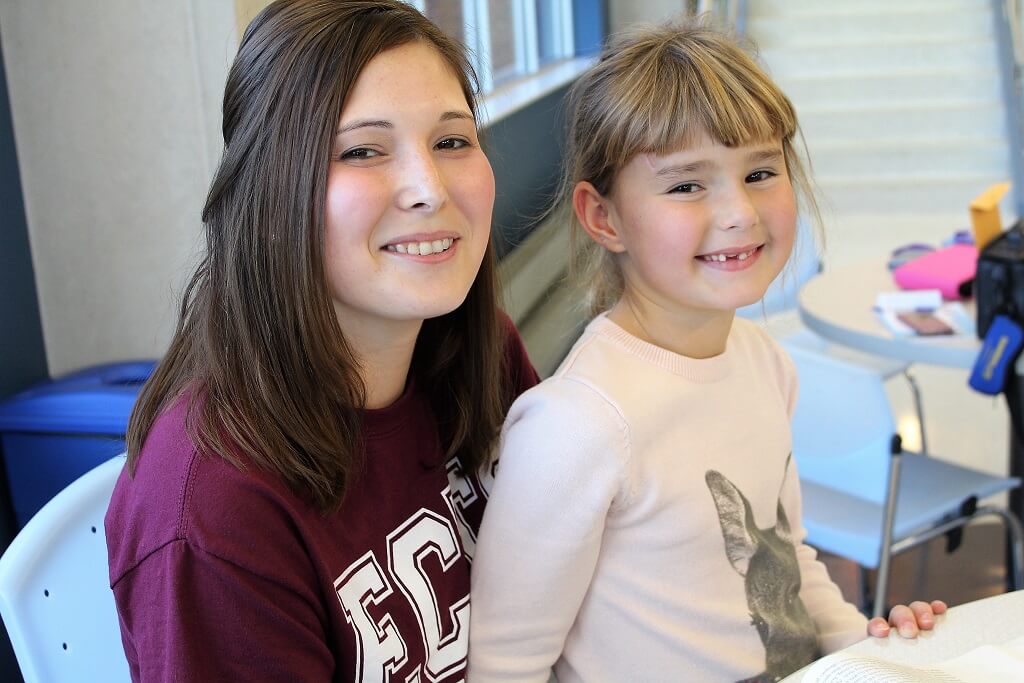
(55, 595)
(781, 297)
(863, 498)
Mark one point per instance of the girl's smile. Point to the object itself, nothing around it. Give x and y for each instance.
(736, 258)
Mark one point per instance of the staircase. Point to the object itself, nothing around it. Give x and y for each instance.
(902, 111)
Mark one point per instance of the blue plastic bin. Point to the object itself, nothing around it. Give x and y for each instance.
(55, 431)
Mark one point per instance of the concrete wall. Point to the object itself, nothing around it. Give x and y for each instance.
(116, 111)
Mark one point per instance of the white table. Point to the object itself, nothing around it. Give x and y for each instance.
(991, 621)
(838, 304)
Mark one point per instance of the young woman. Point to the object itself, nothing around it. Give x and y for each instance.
(302, 489)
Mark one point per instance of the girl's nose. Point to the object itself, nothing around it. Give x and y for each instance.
(422, 186)
(737, 211)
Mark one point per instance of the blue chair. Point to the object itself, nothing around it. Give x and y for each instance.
(55, 596)
(863, 497)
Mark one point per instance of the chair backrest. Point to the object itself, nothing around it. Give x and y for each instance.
(55, 595)
(843, 425)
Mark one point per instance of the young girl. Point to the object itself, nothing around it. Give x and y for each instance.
(645, 518)
(299, 502)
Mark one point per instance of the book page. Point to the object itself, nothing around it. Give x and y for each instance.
(843, 667)
(988, 663)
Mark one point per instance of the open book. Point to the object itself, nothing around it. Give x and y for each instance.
(989, 664)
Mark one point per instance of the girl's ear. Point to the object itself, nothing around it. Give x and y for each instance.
(596, 214)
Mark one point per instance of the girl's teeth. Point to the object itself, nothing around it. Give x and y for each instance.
(422, 248)
(722, 257)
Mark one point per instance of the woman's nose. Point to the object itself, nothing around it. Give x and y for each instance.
(422, 184)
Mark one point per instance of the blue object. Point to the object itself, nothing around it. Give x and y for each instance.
(55, 431)
(588, 19)
(55, 595)
(999, 350)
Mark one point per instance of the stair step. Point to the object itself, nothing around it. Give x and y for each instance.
(938, 193)
(985, 156)
(856, 238)
(920, 122)
(777, 8)
(894, 88)
(785, 63)
(885, 27)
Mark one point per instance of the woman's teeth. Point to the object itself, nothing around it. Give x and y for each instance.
(722, 257)
(422, 248)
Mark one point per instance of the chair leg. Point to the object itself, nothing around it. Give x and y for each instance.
(889, 518)
(1016, 547)
(919, 409)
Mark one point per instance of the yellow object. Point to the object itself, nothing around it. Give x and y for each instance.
(985, 214)
(246, 11)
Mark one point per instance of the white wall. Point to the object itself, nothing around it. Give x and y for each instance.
(622, 13)
(116, 109)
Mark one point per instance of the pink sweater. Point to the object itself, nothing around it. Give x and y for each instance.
(645, 523)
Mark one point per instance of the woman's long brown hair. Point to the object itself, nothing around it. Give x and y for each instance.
(258, 351)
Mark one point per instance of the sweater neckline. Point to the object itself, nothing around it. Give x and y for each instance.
(382, 421)
(701, 370)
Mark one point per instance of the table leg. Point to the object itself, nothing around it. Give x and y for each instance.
(1016, 469)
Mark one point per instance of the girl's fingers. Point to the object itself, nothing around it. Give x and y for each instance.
(878, 628)
(904, 620)
(923, 614)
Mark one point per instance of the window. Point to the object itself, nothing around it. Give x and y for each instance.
(508, 39)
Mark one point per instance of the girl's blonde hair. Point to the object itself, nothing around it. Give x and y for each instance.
(655, 90)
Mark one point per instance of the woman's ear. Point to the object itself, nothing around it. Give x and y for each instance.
(597, 216)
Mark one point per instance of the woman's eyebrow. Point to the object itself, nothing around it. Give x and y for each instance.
(456, 115)
(364, 123)
(381, 123)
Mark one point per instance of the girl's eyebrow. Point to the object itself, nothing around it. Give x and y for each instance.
(772, 154)
(381, 123)
(760, 156)
(683, 169)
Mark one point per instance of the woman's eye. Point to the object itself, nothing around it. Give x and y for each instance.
(685, 188)
(359, 153)
(759, 176)
(453, 143)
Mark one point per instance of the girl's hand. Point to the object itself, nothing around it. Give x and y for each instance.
(908, 621)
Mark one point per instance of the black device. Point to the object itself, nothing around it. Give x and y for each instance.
(999, 280)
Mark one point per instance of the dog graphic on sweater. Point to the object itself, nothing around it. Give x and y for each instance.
(766, 559)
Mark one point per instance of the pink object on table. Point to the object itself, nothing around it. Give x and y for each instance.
(943, 269)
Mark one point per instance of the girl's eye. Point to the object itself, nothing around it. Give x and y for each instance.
(760, 176)
(685, 188)
(359, 153)
(453, 143)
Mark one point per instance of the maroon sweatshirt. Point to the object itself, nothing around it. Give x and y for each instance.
(226, 575)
